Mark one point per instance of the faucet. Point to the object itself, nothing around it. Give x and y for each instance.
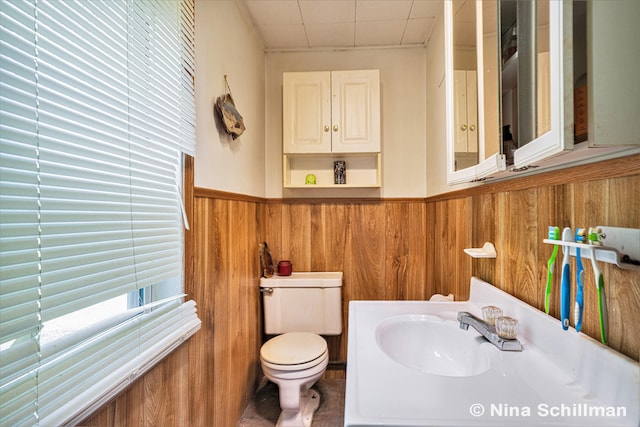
(488, 331)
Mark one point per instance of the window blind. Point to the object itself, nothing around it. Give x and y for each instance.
(96, 109)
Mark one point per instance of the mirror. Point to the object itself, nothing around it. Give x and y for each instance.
(526, 73)
(465, 86)
(490, 114)
(473, 91)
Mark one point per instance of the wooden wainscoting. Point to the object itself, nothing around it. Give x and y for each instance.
(379, 247)
(208, 380)
(226, 283)
(387, 249)
(523, 272)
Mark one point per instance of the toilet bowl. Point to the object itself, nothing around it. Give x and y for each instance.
(294, 361)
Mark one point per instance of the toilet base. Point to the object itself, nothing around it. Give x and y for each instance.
(309, 402)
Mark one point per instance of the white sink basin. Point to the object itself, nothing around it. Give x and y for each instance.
(409, 364)
(433, 345)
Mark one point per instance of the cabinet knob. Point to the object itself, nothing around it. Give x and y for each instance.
(326, 128)
(472, 128)
(335, 128)
(463, 127)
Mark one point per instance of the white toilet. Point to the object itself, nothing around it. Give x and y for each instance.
(299, 307)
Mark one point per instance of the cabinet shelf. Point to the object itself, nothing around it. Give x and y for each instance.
(342, 186)
(363, 170)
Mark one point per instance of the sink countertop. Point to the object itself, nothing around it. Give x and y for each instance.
(555, 381)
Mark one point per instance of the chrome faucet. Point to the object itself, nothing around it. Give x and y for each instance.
(488, 331)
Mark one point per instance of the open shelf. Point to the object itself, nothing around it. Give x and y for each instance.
(363, 170)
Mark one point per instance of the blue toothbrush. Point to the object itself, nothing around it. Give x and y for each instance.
(565, 283)
(581, 237)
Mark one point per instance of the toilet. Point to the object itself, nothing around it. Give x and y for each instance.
(298, 309)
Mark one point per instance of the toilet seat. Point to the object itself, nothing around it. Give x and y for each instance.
(294, 351)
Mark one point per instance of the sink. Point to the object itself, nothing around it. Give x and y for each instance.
(433, 345)
(410, 365)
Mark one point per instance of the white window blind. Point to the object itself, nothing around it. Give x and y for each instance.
(96, 109)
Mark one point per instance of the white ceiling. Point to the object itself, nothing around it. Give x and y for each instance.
(309, 24)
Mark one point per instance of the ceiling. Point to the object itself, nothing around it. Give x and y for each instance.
(315, 24)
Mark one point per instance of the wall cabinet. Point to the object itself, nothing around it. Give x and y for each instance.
(331, 112)
(329, 116)
(544, 49)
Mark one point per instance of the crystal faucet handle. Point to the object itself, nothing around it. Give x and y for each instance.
(507, 327)
(490, 313)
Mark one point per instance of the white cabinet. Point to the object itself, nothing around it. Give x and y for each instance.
(613, 95)
(331, 111)
(466, 111)
(556, 45)
(329, 116)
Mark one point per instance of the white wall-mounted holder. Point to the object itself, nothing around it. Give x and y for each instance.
(486, 251)
(620, 246)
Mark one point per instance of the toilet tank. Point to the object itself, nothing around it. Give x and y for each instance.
(303, 302)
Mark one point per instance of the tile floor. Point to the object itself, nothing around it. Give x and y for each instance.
(263, 410)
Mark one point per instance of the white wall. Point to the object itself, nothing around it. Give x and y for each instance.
(412, 103)
(227, 44)
(403, 113)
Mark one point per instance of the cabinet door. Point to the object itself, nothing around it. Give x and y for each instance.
(466, 111)
(545, 53)
(355, 110)
(470, 42)
(306, 112)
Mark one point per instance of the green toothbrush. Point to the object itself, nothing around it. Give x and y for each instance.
(554, 234)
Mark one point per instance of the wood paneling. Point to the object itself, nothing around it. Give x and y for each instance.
(208, 380)
(484, 211)
(405, 256)
(451, 234)
(387, 249)
(378, 246)
(517, 222)
(408, 250)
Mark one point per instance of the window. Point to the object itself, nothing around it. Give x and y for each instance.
(96, 111)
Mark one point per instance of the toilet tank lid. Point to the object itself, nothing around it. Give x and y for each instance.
(312, 279)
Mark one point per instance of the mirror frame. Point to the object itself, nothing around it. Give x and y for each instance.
(494, 163)
(560, 137)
